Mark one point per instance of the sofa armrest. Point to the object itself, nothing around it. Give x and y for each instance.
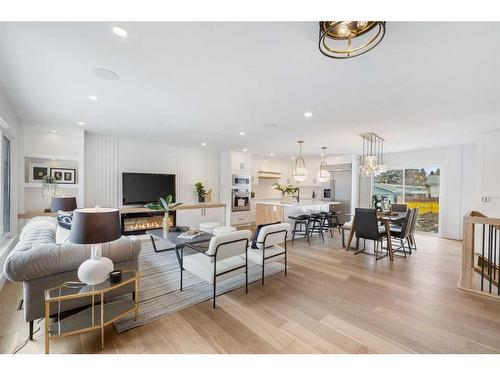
(26, 263)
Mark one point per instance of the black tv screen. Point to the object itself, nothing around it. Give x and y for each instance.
(142, 188)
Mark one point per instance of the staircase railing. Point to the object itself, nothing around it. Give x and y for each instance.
(481, 255)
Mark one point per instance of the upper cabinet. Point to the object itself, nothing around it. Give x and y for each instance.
(241, 162)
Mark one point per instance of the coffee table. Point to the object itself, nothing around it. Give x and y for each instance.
(176, 243)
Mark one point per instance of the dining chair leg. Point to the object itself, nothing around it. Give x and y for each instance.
(181, 280)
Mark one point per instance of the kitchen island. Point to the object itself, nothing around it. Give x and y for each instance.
(271, 211)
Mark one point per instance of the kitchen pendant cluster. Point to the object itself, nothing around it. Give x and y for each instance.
(373, 155)
(323, 173)
(300, 171)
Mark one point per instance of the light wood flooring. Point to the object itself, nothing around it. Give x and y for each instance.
(332, 301)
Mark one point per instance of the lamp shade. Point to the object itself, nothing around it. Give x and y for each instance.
(63, 204)
(95, 225)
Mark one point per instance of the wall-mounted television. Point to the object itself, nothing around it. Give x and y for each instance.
(142, 188)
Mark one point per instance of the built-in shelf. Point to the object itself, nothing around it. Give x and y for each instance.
(39, 185)
(53, 157)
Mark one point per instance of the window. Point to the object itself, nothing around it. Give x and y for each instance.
(417, 187)
(5, 173)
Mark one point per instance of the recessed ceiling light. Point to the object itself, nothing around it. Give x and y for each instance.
(242, 133)
(106, 74)
(293, 157)
(93, 98)
(53, 131)
(270, 125)
(271, 154)
(245, 150)
(266, 161)
(81, 123)
(308, 114)
(120, 31)
(203, 144)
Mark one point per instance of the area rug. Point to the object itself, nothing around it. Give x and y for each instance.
(159, 293)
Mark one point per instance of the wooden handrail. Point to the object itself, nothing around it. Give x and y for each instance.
(472, 243)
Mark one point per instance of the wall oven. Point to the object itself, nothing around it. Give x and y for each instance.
(239, 180)
(240, 199)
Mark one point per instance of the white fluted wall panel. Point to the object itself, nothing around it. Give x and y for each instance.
(101, 170)
(108, 157)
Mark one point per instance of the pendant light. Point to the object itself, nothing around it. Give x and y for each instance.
(323, 174)
(372, 160)
(300, 171)
(336, 37)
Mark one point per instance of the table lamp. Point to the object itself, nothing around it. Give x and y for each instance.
(66, 204)
(95, 226)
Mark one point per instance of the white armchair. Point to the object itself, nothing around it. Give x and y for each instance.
(226, 256)
(268, 241)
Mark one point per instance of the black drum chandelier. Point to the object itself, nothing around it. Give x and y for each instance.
(336, 38)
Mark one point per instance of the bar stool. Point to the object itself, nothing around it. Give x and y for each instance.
(334, 217)
(300, 222)
(327, 222)
(315, 225)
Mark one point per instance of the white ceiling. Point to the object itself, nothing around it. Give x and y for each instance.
(425, 85)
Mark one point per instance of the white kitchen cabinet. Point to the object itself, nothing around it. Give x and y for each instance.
(241, 162)
(240, 218)
(194, 217)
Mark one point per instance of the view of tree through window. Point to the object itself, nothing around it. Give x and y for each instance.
(416, 188)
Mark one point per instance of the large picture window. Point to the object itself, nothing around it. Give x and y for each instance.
(417, 187)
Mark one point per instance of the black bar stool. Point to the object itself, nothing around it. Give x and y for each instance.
(334, 218)
(315, 225)
(328, 224)
(300, 222)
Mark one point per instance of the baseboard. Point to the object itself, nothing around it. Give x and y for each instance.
(5, 249)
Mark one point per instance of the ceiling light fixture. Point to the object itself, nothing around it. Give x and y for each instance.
(120, 31)
(323, 174)
(300, 171)
(334, 34)
(93, 98)
(242, 133)
(81, 123)
(53, 131)
(245, 150)
(308, 114)
(373, 155)
(106, 74)
(203, 144)
(271, 154)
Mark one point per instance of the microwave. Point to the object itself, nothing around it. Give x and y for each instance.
(238, 180)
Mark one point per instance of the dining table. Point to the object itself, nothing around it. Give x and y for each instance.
(385, 218)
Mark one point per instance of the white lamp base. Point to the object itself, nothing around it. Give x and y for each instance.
(95, 270)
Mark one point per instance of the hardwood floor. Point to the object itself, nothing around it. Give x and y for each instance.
(331, 302)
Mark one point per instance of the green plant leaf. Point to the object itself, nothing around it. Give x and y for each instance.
(169, 199)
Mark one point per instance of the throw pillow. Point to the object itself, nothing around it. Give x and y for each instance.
(65, 219)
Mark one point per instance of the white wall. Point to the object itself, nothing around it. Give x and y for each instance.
(457, 182)
(107, 157)
(64, 149)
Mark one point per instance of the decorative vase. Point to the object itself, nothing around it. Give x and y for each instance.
(166, 223)
(283, 197)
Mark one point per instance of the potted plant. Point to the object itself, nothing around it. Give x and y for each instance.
(200, 190)
(165, 205)
(49, 187)
(285, 190)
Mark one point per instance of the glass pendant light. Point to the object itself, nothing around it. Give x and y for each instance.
(323, 174)
(373, 155)
(300, 171)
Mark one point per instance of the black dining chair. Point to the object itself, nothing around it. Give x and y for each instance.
(399, 207)
(411, 238)
(367, 228)
(403, 234)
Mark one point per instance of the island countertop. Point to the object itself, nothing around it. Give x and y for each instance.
(272, 211)
(302, 203)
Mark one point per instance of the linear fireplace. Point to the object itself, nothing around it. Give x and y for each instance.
(140, 222)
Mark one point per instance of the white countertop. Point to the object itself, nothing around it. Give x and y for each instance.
(302, 203)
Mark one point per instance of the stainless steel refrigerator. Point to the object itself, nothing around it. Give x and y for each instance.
(340, 186)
